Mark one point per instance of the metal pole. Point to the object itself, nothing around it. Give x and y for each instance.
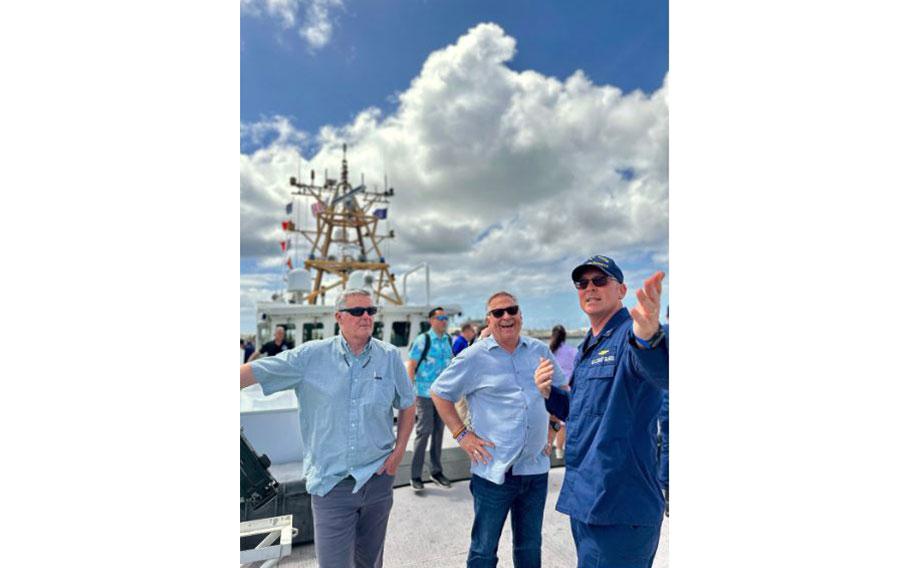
(404, 280)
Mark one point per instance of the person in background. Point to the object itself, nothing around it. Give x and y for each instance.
(347, 387)
(565, 358)
(466, 339)
(463, 341)
(274, 347)
(611, 491)
(248, 350)
(429, 355)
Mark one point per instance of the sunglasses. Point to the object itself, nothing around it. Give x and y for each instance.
(442, 318)
(600, 282)
(357, 312)
(499, 312)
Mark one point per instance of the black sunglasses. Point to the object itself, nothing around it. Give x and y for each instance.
(499, 312)
(357, 312)
(600, 282)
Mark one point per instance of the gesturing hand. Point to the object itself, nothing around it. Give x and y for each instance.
(473, 445)
(646, 314)
(543, 376)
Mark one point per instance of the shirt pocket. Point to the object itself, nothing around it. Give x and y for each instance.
(600, 387)
(378, 391)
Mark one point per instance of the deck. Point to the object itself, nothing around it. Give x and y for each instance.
(433, 528)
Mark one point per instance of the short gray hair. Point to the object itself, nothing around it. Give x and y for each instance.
(342, 299)
(501, 293)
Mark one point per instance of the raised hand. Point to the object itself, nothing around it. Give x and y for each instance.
(543, 376)
(646, 314)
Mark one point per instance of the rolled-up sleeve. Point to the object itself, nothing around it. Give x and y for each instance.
(417, 348)
(455, 381)
(281, 372)
(404, 392)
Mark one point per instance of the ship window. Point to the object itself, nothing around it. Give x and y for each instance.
(263, 334)
(377, 329)
(424, 326)
(312, 331)
(401, 330)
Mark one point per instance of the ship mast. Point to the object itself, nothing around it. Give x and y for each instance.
(346, 237)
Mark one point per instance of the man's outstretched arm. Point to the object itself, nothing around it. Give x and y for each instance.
(246, 375)
(651, 362)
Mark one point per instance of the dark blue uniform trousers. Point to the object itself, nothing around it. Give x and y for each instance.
(615, 546)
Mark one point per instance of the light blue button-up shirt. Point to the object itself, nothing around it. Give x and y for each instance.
(345, 405)
(506, 407)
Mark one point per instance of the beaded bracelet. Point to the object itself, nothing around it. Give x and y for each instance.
(461, 435)
(460, 432)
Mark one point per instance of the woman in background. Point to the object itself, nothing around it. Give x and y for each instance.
(565, 358)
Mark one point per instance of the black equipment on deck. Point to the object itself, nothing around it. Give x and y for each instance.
(257, 486)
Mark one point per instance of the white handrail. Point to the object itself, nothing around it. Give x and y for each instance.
(404, 280)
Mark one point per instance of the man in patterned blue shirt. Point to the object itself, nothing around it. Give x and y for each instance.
(429, 355)
(346, 389)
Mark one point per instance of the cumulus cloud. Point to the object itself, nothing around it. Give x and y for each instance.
(498, 174)
(315, 24)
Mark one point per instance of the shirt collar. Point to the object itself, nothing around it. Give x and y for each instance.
(490, 342)
(614, 322)
(345, 349)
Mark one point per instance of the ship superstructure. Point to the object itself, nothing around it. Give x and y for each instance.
(343, 240)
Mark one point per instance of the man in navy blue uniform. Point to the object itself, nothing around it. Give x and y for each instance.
(611, 490)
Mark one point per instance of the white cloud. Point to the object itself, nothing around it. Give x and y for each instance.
(498, 174)
(316, 25)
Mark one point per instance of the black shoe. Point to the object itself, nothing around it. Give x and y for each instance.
(416, 484)
(441, 479)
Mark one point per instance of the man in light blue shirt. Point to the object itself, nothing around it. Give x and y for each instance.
(508, 444)
(429, 355)
(346, 389)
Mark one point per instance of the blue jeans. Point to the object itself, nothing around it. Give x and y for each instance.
(522, 495)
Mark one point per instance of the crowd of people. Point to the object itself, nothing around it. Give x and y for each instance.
(506, 399)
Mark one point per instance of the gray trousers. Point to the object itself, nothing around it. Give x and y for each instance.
(429, 424)
(350, 527)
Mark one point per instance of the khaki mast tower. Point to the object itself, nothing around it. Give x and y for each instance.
(346, 237)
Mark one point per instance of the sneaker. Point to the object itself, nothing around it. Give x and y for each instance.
(560, 453)
(416, 484)
(441, 479)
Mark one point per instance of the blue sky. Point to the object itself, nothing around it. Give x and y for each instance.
(521, 137)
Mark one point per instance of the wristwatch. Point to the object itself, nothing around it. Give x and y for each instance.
(650, 343)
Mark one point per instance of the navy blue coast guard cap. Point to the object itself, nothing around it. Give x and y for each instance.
(603, 263)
